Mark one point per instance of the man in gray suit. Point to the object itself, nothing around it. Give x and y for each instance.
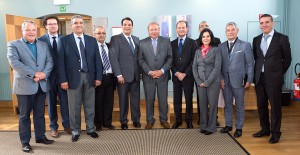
(32, 63)
(237, 74)
(155, 59)
(123, 56)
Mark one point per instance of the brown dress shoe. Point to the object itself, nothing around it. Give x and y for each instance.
(68, 130)
(149, 126)
(165, 125)
(54, 133)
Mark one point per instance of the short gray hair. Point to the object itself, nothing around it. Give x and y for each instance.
(153, 23)
(75, 16)
(231, 24)
(25, 22)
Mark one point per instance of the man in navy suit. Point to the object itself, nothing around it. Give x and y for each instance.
(80, 71)
(183, 49)
(32, 63)
(272, 55)
(52, 38)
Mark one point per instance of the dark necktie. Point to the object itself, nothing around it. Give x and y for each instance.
(154, 45)
(54, 45)
(131, 45)
(83, 55)
(180, 46)
(231, 44)
(106, 64)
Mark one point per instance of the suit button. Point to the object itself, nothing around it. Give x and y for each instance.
(79, 60)
(78, 70)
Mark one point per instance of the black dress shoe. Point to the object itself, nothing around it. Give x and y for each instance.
(124, 126)
(75, 138)
(275, 138)
(26, 147)
(238, 133)
(99, 128)
(93, 134)
(137, 124)
(111, 127)
(261, 133)
(189, 125)
(44, 141)
(202, 131)
(176, 125)
(208, 133)
(226, 129)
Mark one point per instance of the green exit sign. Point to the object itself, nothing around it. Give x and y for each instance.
(63, 8)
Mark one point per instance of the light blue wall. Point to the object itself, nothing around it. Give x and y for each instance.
(216, 12)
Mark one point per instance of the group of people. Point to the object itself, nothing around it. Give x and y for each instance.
(84, 70)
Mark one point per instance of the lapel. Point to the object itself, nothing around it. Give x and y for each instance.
(73, 44)
(126, 42)
(209, 53)
(149, 46)
(87, 44)
(258, 43)
(40, 51)
(159, 44)
(235, 49)
(24, 45)
(136, 44)
(272, 43)
(176, 46)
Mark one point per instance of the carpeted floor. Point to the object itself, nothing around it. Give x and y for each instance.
(131, 142)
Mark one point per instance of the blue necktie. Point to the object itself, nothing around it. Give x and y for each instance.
(131, 45)
(154, 46)
(106, 63)
(83, 55)
(264, 47)
(180, 46)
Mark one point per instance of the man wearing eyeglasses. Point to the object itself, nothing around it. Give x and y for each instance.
(104, 97)
(52, 38)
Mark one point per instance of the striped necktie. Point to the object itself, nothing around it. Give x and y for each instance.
(106, 64)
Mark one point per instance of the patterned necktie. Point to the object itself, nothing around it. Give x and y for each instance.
(83, 55)
(180, 46)
(54, 44)
(154, 46)
(131, 45)
(106, 64)
(231, 44)
(264, 44)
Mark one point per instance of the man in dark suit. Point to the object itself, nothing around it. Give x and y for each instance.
(52, 38)
(104, 100)
(237, 64)
(32, 63)
(216, 41)
(183, 49)
(123, 54)
(155, 58)
(272, 55)
(80, 71)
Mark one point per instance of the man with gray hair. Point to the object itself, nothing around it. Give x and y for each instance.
(32, 63)
(237, 75)
(80, 72)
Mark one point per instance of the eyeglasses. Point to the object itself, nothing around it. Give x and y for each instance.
(103, 33)
(52, 24)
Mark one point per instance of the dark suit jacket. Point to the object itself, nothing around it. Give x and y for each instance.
(69, 65)
(276, 61)
(150, 62)
(183, 63)
(53, 75)
(122, 60)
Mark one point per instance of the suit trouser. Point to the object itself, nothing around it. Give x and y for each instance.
(208, 103)
(238, 94)
(84, 94)
(104, 101)
(162, 94)
(26, 104)
(264, 94)
(187, 85)
(52, 94)
(132, 88)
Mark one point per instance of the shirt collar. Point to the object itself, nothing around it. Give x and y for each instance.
(28, 42)
(270, 34)
(78, 36)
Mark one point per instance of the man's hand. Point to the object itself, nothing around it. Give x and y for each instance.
(121, 79)
(40, 75)
(97, 83)
(202, 85)
(222, 84)
(180, 75)
(64, 86)
(247, 85)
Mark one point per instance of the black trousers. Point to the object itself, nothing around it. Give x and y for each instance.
(104, 101)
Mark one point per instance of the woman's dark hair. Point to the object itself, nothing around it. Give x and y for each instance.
(212, 43)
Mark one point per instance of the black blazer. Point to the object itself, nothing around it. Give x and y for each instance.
(53, 75)
(276, 61)
(69, 65)
(183, 63)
